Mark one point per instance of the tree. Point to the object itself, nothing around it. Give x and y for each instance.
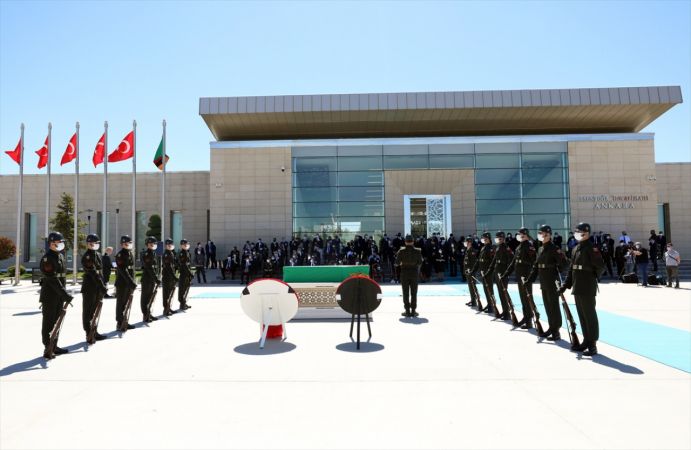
(154, 226)
(7, 248)
(63, 222)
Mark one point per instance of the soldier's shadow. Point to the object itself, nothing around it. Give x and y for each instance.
(609, 362)
(414, 320)
(25, 366)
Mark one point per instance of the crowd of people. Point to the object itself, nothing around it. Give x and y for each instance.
(442, 256)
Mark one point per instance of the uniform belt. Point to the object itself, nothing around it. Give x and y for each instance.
(578, 267)
(545, 266)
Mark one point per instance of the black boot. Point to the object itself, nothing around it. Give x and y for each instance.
(60, 351)
(99, 337)
(545, 333)
(48, 354)
(527, 324)
(521, 322)
(592, 350)
(555, 336)
(406, 313)
(413, 313)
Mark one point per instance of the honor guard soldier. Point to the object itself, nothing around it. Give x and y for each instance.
(486, 256)
(150, 278)
(549, 263)
(522, 264)
(470, 263)
(53, 292)
(186, 275)
(586, 266)
(125, 284)
(501, 267)
(409, 260)
(93, 287)
(169, 269)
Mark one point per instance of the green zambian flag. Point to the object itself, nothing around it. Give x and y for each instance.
(158, 159)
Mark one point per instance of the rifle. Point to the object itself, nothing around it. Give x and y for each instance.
(151, 300)
(490, 297)
(126, 312)
(55, 332)
(533, 307)
(471, 285)
(514, 319)
(573, 337)
(93, 325)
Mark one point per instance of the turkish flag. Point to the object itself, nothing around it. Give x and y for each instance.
(125, 150)
(100, 151)
(16, 154)
(70, 151)
(43, 155)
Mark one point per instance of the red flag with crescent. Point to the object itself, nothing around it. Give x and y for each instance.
(100, 151)
(71, 151)
(125, 150)
(16, 154)
(43, 155)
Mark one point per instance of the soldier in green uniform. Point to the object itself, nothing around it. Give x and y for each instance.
(470, 263)
(93, 287)
(409, 260)
(549, 263)
(169, 269)
(501, 268)
(522, 263)
(150, 278)
(186, 275)
(125, 283)
(586, 265)
(53, 292)
(485, 264)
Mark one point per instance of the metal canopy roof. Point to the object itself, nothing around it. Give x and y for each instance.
(471, 113)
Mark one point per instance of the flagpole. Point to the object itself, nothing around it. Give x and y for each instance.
(104, 217)
(163, 186)
(47, 230)
(75, 237)
(134, 182)
(18, 248)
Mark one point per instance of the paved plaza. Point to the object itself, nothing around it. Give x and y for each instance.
(451, 378)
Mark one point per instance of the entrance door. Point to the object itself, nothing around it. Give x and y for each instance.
(425, 215)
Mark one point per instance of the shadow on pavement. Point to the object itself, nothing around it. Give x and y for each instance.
(25, 366)
(26, 313)
(413, 320)
(365, 347)
(271, 347)
(609, 362)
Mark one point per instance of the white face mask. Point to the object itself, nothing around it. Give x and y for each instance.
(186, 247)
(153, 246)
(94, 246)
(497, 240)
(60, 246)
(541, 237)
(170, 247)
(578, 236)
(129, 246)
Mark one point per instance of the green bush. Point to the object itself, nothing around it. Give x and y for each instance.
(10, 271)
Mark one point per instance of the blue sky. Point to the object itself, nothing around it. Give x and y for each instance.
(119, 61)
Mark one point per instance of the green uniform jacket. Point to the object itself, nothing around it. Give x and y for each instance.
(524, 259)
(586, 264)
(124, 262)
(149, 267)
(470, 261)
(549, 263)
(486, 258)
(409, 259)
(501, 263)
(54, 282)
(170, 266)
(93, 274)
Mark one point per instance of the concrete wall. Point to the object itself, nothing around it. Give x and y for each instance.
(674, 187)
(614, 168)
(250, 195)
(188, 192)
(459, 183)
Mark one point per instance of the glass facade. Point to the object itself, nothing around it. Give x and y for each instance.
(340, 189)
(176, 227)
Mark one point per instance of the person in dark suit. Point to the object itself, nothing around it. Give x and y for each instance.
(107, 262)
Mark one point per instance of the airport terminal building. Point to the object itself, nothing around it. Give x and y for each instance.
(420, 163)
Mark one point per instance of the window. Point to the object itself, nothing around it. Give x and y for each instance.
(373, 178)
(325, 164)
(406, 162)
(497, 161)
(497, 176)
(451, 161)
(346, 163)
